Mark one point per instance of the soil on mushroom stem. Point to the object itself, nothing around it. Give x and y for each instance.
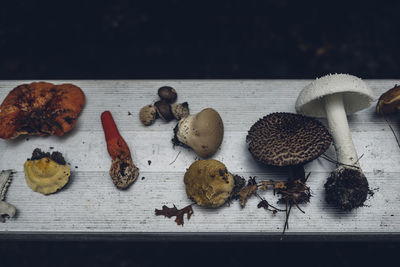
(56, 156)
(347, 189)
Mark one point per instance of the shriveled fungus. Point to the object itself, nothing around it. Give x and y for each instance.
(389, 102)
(209, 183)
(46, 173)
(203, 132)
(40, 108)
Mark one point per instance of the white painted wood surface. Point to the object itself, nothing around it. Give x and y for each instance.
(90, 204)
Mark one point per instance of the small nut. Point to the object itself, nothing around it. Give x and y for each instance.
(148, 114)
(167, 93)
(164, 110)
(180, 110)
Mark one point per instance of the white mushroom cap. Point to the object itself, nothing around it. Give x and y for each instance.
(203, 132)
(356, 94)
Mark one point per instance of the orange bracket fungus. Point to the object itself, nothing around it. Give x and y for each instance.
(40, 108)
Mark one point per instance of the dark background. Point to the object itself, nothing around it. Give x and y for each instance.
(197, 39)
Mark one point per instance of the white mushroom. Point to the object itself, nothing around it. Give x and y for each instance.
(6, 209)
(334, 97)
(203, 132)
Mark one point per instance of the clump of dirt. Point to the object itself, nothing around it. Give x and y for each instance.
(56, 156)
(347, 188)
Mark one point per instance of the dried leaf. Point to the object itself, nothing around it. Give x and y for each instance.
(295, 193)
(240, 182)
(264, 185)
(264, 204)
(171, 212)
(247, 192)
(279, 185)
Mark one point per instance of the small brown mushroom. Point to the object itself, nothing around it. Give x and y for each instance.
(168, 94)
(148, 114)
(389, 102)
(164, 110)
(209, 183)
(180, 110)
(202, 132)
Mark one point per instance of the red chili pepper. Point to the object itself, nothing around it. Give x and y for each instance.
(116, 145)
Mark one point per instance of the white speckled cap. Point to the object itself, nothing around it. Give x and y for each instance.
(357, 95)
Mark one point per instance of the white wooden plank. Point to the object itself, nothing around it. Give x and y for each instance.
(91, 204)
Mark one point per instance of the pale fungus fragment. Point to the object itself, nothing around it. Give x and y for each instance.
(45, 173)
(180, 110)
(389, 102)
(6, 209)
(148, 114)
(203, 132)
(209, 183)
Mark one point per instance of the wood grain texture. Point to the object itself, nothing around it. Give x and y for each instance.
(91, 204)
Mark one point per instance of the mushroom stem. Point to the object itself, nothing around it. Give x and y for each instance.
(339, 127)
(296, 172)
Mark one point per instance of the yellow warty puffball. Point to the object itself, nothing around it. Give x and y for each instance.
(209, 183)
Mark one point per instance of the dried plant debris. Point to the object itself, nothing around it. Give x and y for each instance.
(265, 204)
(240, 182)
(292, 193)
(246, 192)
(6, 209)
(179, 213)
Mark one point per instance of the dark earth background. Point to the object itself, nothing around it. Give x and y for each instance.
(197, 39)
